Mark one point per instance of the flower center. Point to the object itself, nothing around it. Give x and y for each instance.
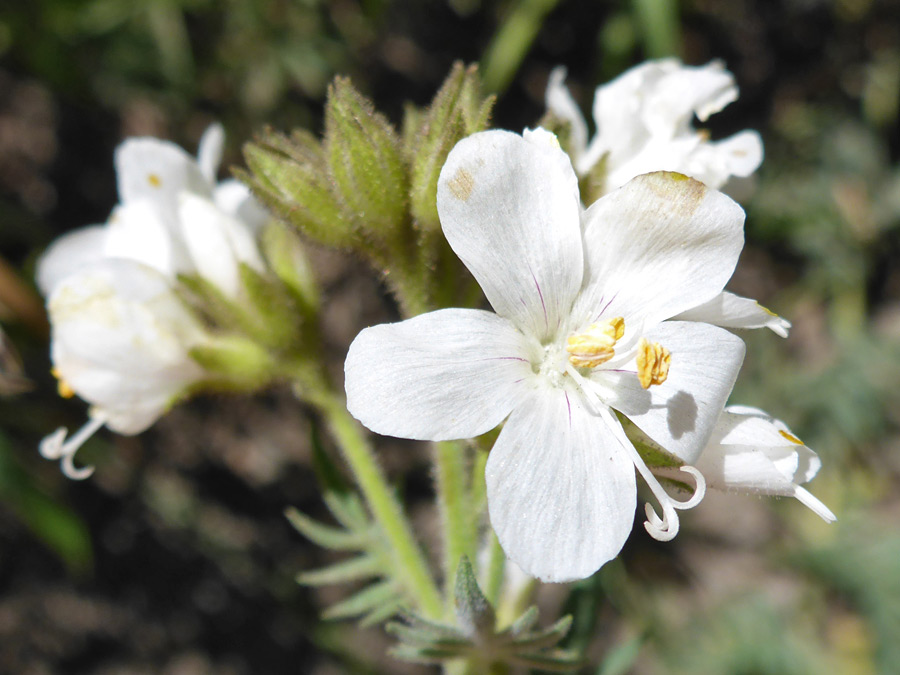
(597, 344)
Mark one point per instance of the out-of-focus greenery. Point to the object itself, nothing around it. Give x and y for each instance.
(749, 586)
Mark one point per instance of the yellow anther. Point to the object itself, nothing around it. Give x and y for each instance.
(652, 363)
(596, 344)
(62, 387)
(154, 180)
(790, 437)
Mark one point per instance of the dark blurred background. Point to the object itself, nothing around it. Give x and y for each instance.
(175, 557)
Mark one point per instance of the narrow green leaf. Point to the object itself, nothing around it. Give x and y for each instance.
(364, 601)
(323, 535)
(473, 611)
(354, 569)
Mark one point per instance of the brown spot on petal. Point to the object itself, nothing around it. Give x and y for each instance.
(461, 185)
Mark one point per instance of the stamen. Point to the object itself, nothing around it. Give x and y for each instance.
(652, 363)
(62, 387)
(55, 446)
(790, 437)
(661, 529)
(596, 344)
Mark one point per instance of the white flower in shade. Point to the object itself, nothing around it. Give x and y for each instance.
(750, 451)
(171, 216)
(643, 123)
(121, 341)
(582, 302)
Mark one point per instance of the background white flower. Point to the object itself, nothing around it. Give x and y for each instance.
(561, 476)
(751, 451)
(171, 216)
(644, 120)
(121, 340)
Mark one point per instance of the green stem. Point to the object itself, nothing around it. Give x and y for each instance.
(411, 567)
(455, 508)
(512, 41)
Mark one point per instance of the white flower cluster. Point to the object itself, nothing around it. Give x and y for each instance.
(601, 314)
(643, 123)
(121, 336)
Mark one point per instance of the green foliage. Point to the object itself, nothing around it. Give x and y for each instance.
(56, 526)
(863, 565)
(368, 188)
(477, 639)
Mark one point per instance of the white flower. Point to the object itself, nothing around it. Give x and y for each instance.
(171, 216)
(750, 451)
(120, 341)
(643, 123)
(580, 330)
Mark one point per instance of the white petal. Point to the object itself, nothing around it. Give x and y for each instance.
(683, 91)
(733, 311)
(656, 247)
(139, 231)
(560, 102)
(454, 373)
(217, 242)
(209, 152)
(148, 168)
(561, 491)
(121, 339)
(68, 254)
(235, 199)
(510, 210)
(681, 413)
(714, 163)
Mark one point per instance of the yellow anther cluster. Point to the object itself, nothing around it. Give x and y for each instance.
(652, 363)
(62, 387)
(154, 180)
(793, 439)
(596, 344)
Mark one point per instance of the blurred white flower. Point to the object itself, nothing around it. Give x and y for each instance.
(121, 340)
(582, 300)
(751, 451)
(171, 216)
(643, 123)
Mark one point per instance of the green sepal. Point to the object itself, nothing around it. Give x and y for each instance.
(288, 260)
(365, 163)
(290, 175)
(458, 110)
(276, 321)
(234, 361)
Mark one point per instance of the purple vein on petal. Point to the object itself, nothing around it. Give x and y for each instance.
(606, 306)
(541, 296)
(569, 406)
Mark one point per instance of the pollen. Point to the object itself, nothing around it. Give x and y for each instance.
(154, 180)
(793, 439)
(652, 363)
(62, 387)
(597, 344)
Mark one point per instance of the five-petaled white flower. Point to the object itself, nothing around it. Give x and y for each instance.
(643, 123)
(583, 302)
(750, 451)
(120, 335)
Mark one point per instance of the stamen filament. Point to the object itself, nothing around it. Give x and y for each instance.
(661, 529)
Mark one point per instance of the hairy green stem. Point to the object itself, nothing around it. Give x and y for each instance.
(455, 508)
(411, 567)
